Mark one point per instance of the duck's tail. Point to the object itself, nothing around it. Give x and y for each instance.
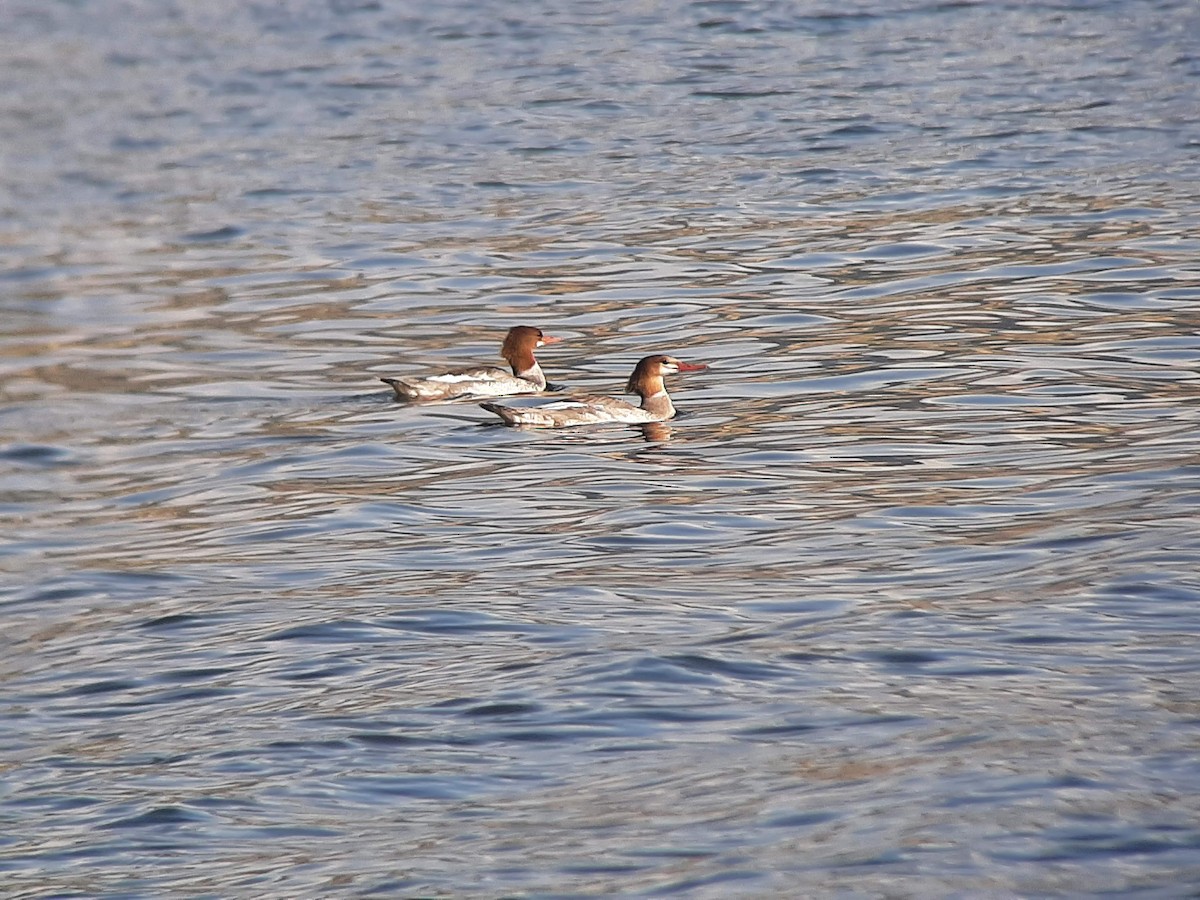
(507, 413)
(404, 390)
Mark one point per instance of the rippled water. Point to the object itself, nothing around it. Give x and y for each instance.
(903, 604)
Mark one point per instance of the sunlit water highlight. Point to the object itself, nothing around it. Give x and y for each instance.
(903, 603)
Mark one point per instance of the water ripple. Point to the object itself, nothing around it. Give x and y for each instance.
(904, 600)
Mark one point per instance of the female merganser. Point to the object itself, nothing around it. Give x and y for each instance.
(646, 381)
(484, 381)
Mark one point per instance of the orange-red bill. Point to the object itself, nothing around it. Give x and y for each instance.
(692, 367)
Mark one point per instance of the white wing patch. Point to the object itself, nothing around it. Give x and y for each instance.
(459, 377)
(562, 405)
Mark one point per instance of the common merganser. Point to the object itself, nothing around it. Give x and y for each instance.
(484, 381)
(646, 381)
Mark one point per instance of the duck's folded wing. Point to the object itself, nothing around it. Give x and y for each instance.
(474, 373)
(477, 381)
(565, 413)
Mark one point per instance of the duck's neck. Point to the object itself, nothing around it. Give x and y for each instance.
(659, 404)
(527, 367)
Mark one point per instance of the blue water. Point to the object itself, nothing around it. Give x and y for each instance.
(904, 603)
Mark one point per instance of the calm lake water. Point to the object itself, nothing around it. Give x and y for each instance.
(904, 604)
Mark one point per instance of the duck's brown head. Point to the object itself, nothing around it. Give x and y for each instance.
(525, 338)
(647, 377)
(519, 344)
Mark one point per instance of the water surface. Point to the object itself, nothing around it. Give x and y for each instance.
(903, 603)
